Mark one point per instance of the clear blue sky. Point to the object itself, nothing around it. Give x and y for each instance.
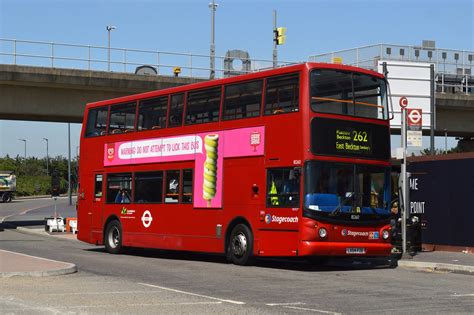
(184, 26)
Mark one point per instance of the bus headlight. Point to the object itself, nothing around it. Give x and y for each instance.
(323, 233)
(385, 234)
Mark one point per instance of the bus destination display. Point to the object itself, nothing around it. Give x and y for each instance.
(349, 139)
(353, 141)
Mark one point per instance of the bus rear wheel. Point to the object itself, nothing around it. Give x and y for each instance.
(240, 246)
(113, 237)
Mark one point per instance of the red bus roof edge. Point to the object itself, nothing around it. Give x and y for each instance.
(250, 76)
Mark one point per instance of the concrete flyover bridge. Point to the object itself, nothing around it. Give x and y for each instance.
(48, 81)
(60, 95)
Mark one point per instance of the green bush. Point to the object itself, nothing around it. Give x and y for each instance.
(31, 175)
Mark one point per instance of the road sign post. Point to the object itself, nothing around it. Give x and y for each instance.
(404, 197)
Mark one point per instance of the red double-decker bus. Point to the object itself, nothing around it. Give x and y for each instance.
(292, 161)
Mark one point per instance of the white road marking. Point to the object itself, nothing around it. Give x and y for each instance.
(193, 294)
(178, 303)
(139, 304)
(21, 213)
(461, 295)
(98, 293)
(283, 304)
(311, 310)
(21, 306)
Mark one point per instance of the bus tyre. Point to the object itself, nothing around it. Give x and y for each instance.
(6, 197)
(113, 237)
(240, 247)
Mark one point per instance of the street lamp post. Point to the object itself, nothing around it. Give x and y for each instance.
(213, 6)
(47, 156)
(109, 28)
(24, 140)
(69, 191)
(275, 44)
(445, 141)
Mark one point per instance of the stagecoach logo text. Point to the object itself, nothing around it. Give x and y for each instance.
(273, 218)
(345, 232)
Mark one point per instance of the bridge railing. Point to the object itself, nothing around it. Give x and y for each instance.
(453, 67)
(126, 60)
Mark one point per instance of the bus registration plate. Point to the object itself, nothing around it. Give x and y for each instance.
(355, 250)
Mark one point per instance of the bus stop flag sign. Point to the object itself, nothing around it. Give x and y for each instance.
(414, 123)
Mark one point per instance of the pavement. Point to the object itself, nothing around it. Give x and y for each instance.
(15, 264)
(456, 262)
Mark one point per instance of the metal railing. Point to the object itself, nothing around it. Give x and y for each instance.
(453, 67)
(126, 60)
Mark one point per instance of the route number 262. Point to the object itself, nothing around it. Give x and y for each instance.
(359, 136)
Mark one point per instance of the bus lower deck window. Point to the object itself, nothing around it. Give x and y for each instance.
(283, 187)
(149, 187)
(172, 186)
(187, 186)
(119, 188)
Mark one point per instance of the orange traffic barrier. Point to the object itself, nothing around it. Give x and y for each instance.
(71, 225)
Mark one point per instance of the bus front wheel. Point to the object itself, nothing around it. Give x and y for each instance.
(240, 247)
(113, 237)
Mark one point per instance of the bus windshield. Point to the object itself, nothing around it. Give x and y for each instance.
(348, 93)
(338, 188)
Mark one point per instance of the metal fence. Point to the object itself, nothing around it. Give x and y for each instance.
(453, 67)
(88, 57)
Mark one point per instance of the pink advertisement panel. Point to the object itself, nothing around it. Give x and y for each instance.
(152, 150)
(207, 149)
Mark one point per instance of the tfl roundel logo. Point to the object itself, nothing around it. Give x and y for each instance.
(268, 218)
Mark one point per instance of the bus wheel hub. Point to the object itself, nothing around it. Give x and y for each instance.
(239, 244)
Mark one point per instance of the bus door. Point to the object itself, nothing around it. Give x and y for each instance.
(279, 221)
(97, 205)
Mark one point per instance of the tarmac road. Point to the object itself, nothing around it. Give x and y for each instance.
(151, 281)
(29, 210)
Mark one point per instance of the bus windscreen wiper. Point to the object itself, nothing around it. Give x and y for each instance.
(336, 211)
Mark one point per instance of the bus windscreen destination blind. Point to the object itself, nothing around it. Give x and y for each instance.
(349, 139)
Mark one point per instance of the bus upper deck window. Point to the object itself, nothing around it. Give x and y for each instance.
(175, 117)
(242, 100)
(202, 106)
(282, 94)
(122, 118)
(152, 113)
(96, 122)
